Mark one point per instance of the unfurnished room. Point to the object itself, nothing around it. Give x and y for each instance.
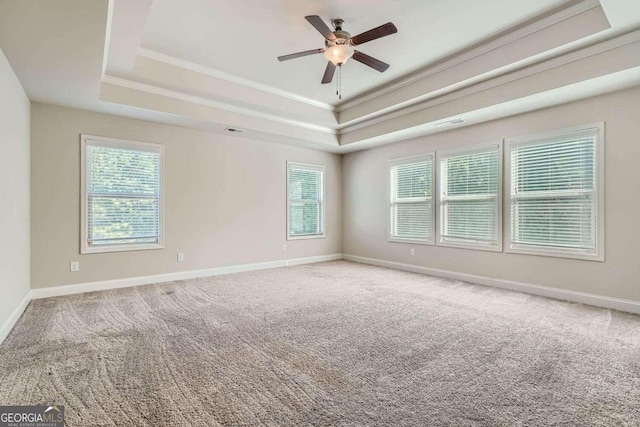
(319, 213)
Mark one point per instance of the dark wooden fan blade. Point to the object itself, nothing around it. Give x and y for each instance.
(383, 30)
(299, 54)
(319, 25)
(372, 62)
(328, 73)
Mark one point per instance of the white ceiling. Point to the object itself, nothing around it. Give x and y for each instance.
(244, 37)
(94, 55)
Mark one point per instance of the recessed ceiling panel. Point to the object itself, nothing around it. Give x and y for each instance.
(244, 37)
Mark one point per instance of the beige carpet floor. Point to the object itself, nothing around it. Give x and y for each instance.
(335, 343)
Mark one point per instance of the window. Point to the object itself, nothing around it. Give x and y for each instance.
(305, 206)
(121, 195)
(469, 198)
(411, 204)
(556, 198)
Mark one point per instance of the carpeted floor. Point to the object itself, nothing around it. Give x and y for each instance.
(335, 343)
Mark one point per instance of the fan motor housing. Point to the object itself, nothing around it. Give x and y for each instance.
(340, 34)
(342, 37)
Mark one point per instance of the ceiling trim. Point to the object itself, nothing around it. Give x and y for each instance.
(107, 38)
(535, 25)
(510, 37)
(554, 18)
(172, 60)
(161, 74)
(144, 87)
(602, 85)
(540, 67)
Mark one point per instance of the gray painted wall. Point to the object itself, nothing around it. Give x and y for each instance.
(366, 202)
(225, 199)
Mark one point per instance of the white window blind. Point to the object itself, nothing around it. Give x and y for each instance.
(122, 195)
(411, 203)
(556, 200)
(469, 197)
(305, 184)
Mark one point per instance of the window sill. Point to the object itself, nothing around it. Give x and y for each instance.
(410, 241)
(471, 246)
(557, 253)
(306, 236)
(120, 248)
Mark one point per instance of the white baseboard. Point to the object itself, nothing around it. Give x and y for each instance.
(13, 318)
(545, 291)
(313, 259)
(102, 285)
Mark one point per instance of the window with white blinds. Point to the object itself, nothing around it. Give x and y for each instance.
(305, 207)
(122, 195)
(411, 200)
(469, 197)
(556, 198)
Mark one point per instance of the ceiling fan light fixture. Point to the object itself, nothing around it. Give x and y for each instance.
(339, 47)
(339, 54)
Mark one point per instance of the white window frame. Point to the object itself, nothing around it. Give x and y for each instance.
(402, 161)
(321, 201)
(469, 244)
(93, 140)
(550, 136)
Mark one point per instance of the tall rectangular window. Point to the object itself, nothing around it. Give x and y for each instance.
(305, 201)
(121, 195)
(556, 199)
(469, 197)
(411, 199)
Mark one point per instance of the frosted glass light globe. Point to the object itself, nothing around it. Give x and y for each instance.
(339, 53)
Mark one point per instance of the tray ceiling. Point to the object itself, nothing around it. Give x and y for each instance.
(244, 37)
(210, 65)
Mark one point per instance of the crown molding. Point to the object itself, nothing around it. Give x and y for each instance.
(144, 87)
(491, 64)
(107, 37)
(188, 65)
(537, 68)
(501, 41)
(540, 67)
(510, 37)
(398, 109)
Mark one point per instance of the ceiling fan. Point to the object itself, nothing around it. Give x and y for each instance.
(339, 46)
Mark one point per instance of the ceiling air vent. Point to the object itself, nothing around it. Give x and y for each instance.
(234, 130)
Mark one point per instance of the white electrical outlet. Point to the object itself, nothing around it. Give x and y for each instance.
(284, 247)
(180, 257)
(74, 266)
(413, 252)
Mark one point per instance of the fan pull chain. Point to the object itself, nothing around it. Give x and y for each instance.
(339, 90)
